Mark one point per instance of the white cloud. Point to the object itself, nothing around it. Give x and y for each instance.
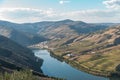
(114, 4)
(25, 14)
(94, 15)
(35, 15)
(64, 1)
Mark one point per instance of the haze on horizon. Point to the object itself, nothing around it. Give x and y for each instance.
(97, 11)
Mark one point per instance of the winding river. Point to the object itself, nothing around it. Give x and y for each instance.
(53, 67)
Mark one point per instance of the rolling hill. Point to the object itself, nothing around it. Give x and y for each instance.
(31, 33)
(14, 56)
(96, 52)
(20, 37)
(65, 28)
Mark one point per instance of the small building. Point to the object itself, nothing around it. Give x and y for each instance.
(70, 55)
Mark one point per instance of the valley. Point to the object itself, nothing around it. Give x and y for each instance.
(53, 67)
(90, 47)
(59, 40)
(91, 52)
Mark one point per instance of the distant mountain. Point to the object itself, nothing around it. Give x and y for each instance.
(8, 30)
(33, 33)
(64, 28)
(14, 56)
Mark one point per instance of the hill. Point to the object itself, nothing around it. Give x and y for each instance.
(13, 55)
(31, 33)
(22, 38)
(96, 52)
(65, 28)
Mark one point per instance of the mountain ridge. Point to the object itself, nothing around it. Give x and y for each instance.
(43, 31)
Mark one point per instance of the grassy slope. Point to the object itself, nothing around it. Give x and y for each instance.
(96, 52)
(16, 57)
(22, 75)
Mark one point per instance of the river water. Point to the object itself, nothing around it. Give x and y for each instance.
(56, 68)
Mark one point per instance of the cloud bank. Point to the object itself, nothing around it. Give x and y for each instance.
(25, 14)
(21, 15)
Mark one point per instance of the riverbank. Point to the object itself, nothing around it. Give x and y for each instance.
(53, 67)
(82, 67)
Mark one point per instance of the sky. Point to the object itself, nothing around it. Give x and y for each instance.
(91, 11)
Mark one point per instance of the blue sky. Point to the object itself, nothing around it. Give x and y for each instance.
(95, 11)
(67, 4)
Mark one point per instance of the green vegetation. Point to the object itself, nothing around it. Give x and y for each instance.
(24, 75)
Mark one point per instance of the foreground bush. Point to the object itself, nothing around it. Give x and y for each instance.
(18, 75)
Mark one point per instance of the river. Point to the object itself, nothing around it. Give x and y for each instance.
(56, 68)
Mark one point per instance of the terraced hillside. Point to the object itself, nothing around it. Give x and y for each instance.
(96, 52)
